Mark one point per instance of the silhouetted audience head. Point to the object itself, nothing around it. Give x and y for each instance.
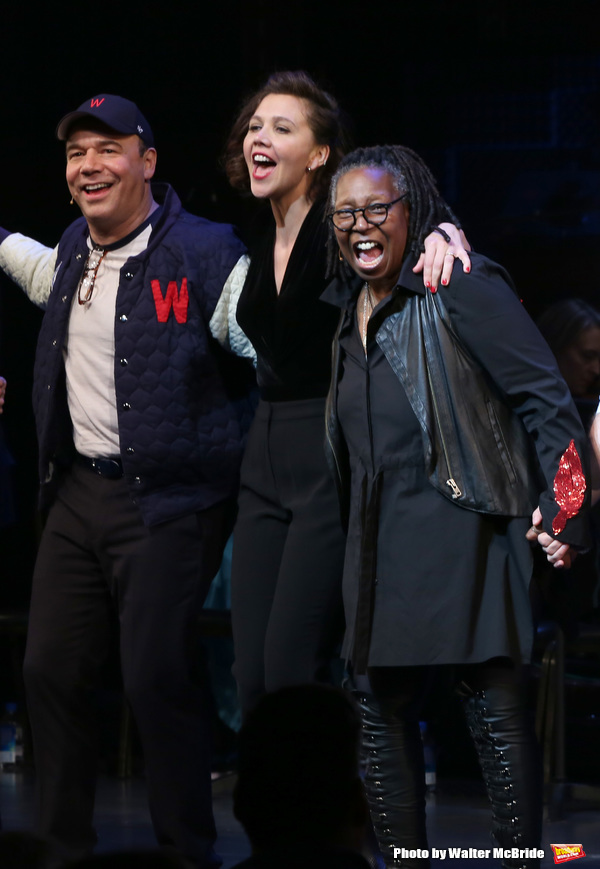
(572, 329)
(298, 777)
(22, 850)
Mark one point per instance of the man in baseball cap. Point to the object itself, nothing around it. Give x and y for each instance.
(116, 113)
(139, 449)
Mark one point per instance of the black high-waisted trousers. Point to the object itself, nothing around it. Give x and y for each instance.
(288, 551)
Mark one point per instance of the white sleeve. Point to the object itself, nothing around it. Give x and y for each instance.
(30, 264)
(223, 323)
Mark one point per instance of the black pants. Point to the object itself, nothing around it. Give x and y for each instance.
(288, 550)
(493, 698)
(96, 556)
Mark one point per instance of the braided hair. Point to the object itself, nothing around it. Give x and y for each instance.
(411, 176)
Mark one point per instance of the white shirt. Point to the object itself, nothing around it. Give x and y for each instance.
(89, 356)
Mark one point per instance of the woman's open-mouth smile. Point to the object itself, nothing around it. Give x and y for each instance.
(368, 254)
(262, 165)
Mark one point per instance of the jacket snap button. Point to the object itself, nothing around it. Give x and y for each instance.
(123, 362)
(54, 343)
(137, 481)
(130, 450)
(78, 256)
(126, 405)
(128, 275)
(123, 318)
(64, 299)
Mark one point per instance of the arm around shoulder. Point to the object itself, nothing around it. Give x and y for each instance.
(223, 323)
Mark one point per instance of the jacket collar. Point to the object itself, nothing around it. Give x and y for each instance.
(343, 292)
(166, 197)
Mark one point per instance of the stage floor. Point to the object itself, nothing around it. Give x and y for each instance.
(458, 817)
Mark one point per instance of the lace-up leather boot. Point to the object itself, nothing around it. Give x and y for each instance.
(509, 759)
(394, 778)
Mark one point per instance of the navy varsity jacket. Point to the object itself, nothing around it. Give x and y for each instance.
(180, 414)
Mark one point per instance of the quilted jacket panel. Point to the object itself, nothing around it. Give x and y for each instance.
(179, 427)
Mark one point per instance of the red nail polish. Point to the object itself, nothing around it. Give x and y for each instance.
(468, 269)
(427, 284)
(444, 282)
(434, 289)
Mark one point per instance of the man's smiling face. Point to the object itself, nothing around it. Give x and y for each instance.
(108, 175)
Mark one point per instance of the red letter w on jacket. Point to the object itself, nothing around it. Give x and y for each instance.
(178, 300)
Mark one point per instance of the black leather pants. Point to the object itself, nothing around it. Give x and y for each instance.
(493, 701)
(392, 757)
(509, 758)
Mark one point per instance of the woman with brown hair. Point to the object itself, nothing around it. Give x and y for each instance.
(288, 543)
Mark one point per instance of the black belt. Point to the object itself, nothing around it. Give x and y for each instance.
(112, 469)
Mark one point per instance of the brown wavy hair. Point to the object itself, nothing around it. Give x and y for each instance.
(328, 123)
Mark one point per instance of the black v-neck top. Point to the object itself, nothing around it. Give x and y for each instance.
(291, 331)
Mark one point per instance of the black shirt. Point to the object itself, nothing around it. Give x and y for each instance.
(291, 331)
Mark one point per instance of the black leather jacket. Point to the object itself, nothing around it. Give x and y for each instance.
(477, 449)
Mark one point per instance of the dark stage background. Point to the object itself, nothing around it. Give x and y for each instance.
(501, 97)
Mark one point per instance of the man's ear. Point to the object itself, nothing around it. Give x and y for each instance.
(149, 163)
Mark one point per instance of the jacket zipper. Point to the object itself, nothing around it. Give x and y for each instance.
(456, 492)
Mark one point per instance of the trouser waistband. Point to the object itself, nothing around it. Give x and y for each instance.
(110, 467)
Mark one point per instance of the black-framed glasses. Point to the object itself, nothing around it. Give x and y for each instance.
(376, 214)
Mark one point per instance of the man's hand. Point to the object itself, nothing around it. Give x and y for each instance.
(559, 554)
(439, 256)
(2, 392)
